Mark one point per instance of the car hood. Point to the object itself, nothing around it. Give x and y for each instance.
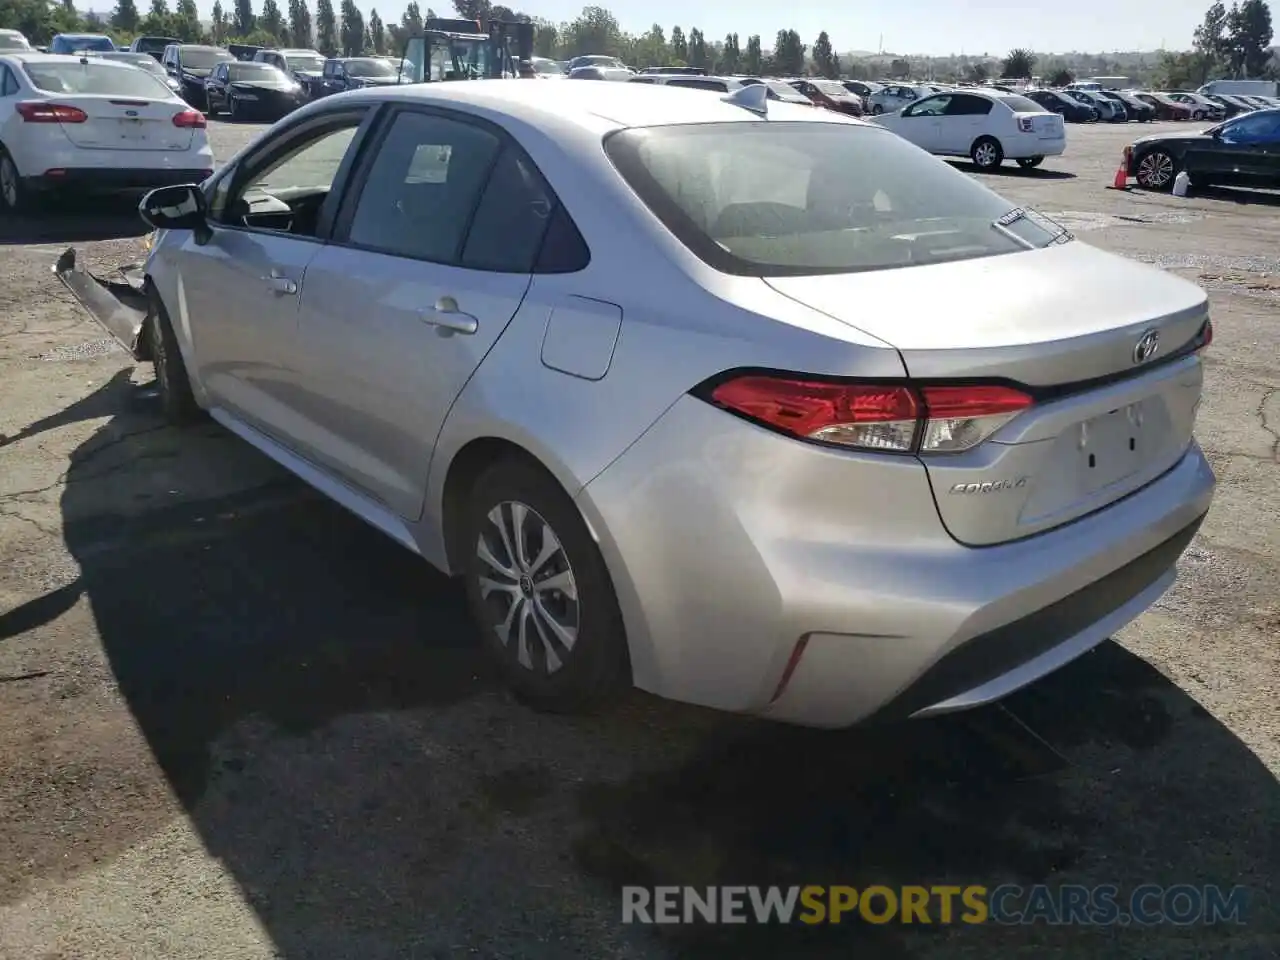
(1177, 135)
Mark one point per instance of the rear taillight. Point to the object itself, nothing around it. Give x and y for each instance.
(38, 111)
(888, 417)
(1026, 124)
(191, 119)
(1206, 335)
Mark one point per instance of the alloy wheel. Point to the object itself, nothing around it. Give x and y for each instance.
(984, 155)
(530, 590)
(1155, 170)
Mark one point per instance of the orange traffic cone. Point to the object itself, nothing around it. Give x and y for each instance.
(1121, 180)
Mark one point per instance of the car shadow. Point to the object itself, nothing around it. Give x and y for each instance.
(75, 220)
(1241, 195)
(1010, 169)
(313, 697)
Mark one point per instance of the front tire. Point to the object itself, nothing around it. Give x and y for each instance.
(540, 593)
(14, 195)
(1030, 163)
(1156, 170)
(876, 110)
(172, 382)
(236, 113)
(986, 153)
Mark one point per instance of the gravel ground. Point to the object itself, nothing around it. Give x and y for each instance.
(235, 723)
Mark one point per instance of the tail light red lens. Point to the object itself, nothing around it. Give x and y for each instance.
(889, 417)
(38, 111)
(191, 119)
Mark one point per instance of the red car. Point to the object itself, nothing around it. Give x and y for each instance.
(1166, 108)
(829, 94)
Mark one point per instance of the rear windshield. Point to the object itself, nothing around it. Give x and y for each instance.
(154, 43)
(777, 198)
(10, 42)
(785, 91)
(87, 43)
(143, 60)
(1021, 104)
(103, 78)
(831, 88)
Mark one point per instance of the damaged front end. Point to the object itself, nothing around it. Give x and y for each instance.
(119, 305)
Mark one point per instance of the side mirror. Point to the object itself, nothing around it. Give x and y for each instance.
(176, 208)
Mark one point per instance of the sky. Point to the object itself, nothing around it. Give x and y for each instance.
(933, 27)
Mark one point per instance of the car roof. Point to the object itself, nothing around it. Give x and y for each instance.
(586, 104)
(24, 56)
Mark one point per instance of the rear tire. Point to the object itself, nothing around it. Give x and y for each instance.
(986, 153)
(14, 195)
(540, 593)
(172, 382)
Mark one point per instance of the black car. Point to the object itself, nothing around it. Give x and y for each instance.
(190, 64)
(304, 65)
(252, 91)
(1232, 107)
(1065, 107)
(352, 73)
(243, 52)
(1243, 151)
(1135, 108)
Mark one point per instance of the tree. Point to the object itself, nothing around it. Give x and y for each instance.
(545, 38)
(595, 30)
(977, 72)
(698, 49)
(1176, 70)
(1249, 36)
(754, 59)
(186, 22)
(300, 23)
(730, 55)
(125, 17)
(679, 47)
(272, 20)
(219, 18)
(900, 69)
(1061, 78)
(788, 53)
(1018, 64)
(1210, 38)
(326, 28)
(351, 33)
(243, 25)
(377, 35)
(824, 58)
(474, 9)
(158, 19)
(650, 48)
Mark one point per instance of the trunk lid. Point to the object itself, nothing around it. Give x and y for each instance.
(1064, 323)
(120, 123)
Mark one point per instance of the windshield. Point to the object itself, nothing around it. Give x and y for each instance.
(102, 78)
(198, 59)
(370, 68)
(306, 64)
(143, 61)
(784, 91)
(831, 88)
(776, 199)
(256, 71)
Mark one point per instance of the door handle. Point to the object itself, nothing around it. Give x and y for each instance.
(446, 315)
(282, 284)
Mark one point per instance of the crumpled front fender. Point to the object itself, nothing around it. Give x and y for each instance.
(120, 306)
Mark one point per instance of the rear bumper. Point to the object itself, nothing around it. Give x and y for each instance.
(731, 547)
(114, 180)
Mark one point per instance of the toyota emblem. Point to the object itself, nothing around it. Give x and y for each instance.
(1146, 346)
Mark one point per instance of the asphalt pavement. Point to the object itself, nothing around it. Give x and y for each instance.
(237, 724)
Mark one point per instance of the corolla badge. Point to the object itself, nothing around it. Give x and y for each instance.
(989, 486)
(1146, 347)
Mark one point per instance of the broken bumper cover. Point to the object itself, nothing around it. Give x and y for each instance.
(120, 306)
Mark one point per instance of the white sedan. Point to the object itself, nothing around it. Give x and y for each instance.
(987, 127)
(85, 123)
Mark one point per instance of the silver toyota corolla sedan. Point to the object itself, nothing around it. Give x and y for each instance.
(751, 405)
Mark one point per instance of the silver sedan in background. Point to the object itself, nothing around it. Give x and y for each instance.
(683, 403)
